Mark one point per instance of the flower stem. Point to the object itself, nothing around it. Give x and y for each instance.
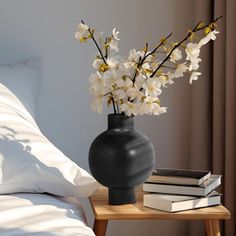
(113, 103)
(97, 46)
(158, 46)
(195, 29)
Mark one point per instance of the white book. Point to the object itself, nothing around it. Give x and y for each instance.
(174, 203)
(202, 190)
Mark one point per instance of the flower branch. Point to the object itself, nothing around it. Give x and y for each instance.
(195, 29)
(133, 84)
(94, 40)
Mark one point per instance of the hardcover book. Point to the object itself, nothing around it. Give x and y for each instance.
(174, 203)
(179, 176)
(202, 190)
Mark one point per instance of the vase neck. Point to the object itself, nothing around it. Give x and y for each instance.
(120, 122)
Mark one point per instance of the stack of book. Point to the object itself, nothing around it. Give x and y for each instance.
(175, 190)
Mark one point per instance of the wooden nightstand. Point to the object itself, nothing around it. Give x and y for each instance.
(104, 212)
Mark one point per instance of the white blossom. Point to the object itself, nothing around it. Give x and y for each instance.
(170, 77)
(148, 105)
(139, 81)
(180, 70)
(109, 78)
(208, 37)
(113, 45)
(133, 83)
(82, 34)
(96, 104)
(158, 110)
(97, 63)
(162, 79)
(120, 93)
(134, 93)
(152, 87)
(176, 55)
(113, 62)
(134, 56)
(192, 50)
(96, 82)
(130, 108)
(115, 34)
(194, 65)
(194, 76)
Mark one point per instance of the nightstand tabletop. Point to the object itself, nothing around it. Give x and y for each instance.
(102, 210)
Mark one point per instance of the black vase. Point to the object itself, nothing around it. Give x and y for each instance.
(121, 158)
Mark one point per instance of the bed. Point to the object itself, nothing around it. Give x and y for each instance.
(41, 214)
(39, 185)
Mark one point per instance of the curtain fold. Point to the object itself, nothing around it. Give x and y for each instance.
(213, 122)
(224, 112)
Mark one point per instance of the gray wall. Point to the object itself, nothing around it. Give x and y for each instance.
(46, 28)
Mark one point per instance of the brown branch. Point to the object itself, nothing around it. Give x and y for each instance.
(94, 40)
(195, 29)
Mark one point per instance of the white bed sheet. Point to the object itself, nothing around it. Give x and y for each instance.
(42, 215)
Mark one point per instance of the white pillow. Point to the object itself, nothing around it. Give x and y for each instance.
(29, 162)
(23, 80)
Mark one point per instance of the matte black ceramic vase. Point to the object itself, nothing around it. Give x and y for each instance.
(121, 158)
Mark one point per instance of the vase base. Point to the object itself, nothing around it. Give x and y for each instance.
(120, 196)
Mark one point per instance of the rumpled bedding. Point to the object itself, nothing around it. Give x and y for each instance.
(25, 214)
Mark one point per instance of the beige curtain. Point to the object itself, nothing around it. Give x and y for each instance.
(213, 129)
(224, 108)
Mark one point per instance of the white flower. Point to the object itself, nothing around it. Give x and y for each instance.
(97, 63)
(82, 34)
(115, 34)
(152, 87)
(192, 50)
(176, 55)
(109, 78)
(151, 106)
(158, 110)
(124, 83)
(96, 81)
(194, 76)
(194, 65)
(180, 70)
(134, 93)
(130, 108)
(113, 45)
(134, 56)
(128, 83)
(97, 86)
(147, 105)
(208, 37)
(96, 104)
(120, 93)
(162, 80)
(113, 62)
(139, 81)
(132, 84)
(170, 77)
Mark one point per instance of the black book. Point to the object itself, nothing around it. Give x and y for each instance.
(179, 176)
(202, 190)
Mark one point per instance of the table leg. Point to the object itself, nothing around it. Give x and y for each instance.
(212, 227)
(100, 227)
(208, 228)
